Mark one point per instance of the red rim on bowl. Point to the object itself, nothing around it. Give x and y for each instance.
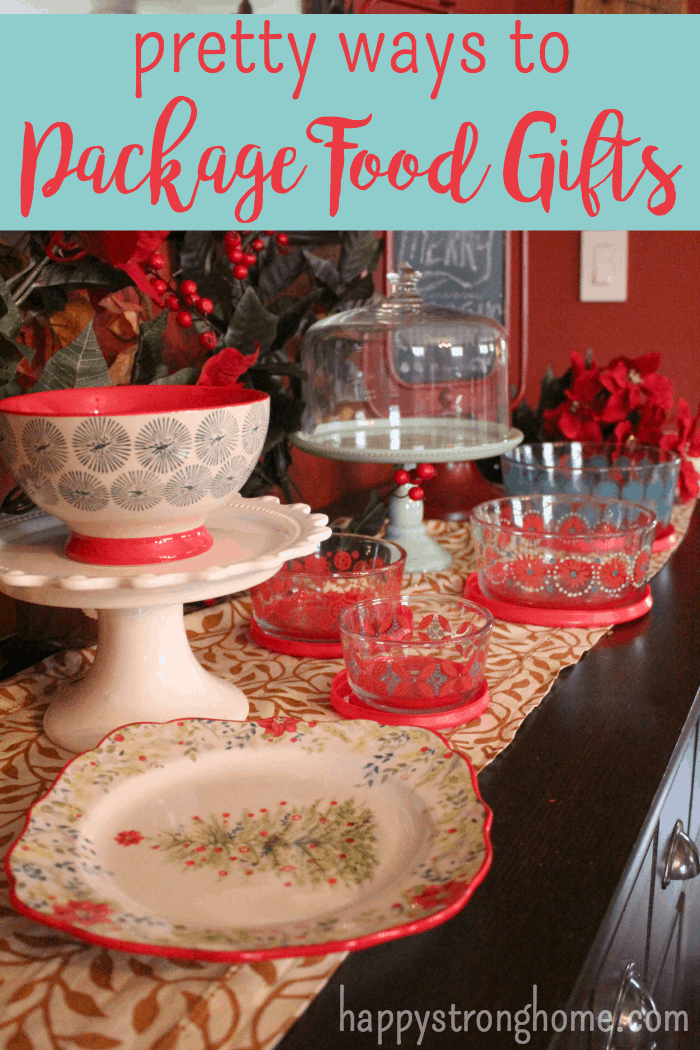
(128, 400)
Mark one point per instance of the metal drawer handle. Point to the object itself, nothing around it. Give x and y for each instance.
(632, 1007)
(682, 860)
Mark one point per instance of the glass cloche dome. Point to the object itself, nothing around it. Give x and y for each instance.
(402, 382)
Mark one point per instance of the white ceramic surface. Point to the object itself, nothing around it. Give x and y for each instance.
(123, 471)
(144, 668)
(232, 841)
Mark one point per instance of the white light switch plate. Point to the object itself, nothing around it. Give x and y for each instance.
(603, 266)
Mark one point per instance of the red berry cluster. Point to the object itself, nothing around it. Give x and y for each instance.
(243, 256)
(183, 300)
(423, 472)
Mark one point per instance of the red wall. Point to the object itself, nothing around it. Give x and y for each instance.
(662, 311)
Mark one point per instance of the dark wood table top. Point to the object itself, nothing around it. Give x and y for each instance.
(569, 797)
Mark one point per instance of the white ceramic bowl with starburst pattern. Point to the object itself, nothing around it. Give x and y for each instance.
(134, 470)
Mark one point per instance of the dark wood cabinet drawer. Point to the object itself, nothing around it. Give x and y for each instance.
(651, 925)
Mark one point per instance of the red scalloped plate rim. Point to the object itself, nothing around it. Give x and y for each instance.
(391, 933)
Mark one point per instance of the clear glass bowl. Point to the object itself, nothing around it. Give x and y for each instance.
(303, 601)
(562, 552)
(644, 474)
(416, 653)
(401, 381)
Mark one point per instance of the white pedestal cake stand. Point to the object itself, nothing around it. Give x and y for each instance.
(144, 669)
(407, 442)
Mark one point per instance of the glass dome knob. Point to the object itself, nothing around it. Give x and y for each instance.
(404, 288)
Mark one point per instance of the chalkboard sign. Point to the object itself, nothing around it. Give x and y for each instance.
(463, 269)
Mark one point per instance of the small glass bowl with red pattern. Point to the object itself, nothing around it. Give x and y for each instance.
(417, 653)
(301, 604)
(563, 552)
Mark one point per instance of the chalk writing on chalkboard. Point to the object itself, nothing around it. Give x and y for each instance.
(462, 269)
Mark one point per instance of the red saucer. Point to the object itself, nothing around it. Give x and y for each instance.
(348, 705)
(665, 539)
(294, 646)
(544, 617)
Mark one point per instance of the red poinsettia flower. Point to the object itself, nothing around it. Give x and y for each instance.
(573, 420)
(226, 367)
(686, 443)
(630, 381)
(648, 428)
(577, 417)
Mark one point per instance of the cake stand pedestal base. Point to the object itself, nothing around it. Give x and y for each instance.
(144, 671)
(144, 668)
(407, 528)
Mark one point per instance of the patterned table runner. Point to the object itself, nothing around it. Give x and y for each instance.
(56, 993)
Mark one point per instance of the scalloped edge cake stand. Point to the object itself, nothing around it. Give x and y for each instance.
(144, 669)
(406, 517)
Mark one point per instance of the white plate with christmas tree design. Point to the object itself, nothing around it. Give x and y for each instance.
(236, 841)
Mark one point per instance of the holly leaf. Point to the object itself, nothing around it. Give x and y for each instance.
(10, 389)
(370, 521)
(197, 253)
(251, 323)
(360, 251)
(11, 352)
(289, 322)
(85, 272)
(80, 364)
(286, 413)
(184, 377)
(324, 271)
(149, 366)
(279, 273)
(10, 317)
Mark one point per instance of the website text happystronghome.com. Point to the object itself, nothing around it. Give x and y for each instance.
(408, 1027)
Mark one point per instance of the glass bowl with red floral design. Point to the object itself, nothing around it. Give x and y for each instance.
(303, 601)
(417, 653)
(563, 552)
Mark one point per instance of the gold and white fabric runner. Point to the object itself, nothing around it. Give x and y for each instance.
(58, 993)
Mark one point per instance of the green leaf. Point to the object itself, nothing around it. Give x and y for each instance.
(324, 272)
(11, 318)
(11, 352)
(10, 389)
(288, 322)
(185, 377)
(87, 271)
(80, 364)
(197, 253)
(370, 521)
(148, 363)
(251, 324)
(279, 273)
(287, 368)
(360, 252)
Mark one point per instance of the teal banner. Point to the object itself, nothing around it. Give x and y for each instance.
(359, 122)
